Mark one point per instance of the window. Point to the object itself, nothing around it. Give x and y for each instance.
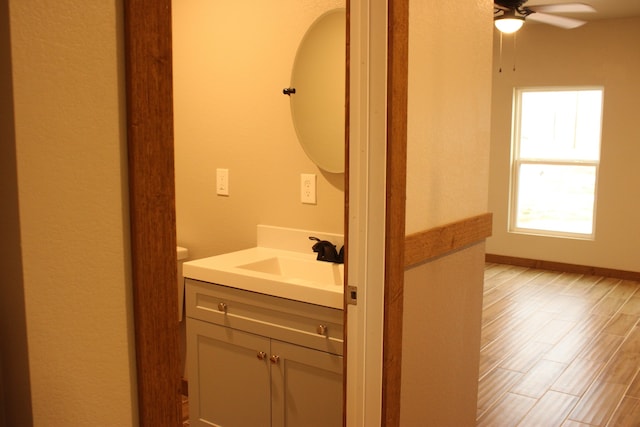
(555, 158)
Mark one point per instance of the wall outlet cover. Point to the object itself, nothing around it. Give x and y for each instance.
(222, 182)
(308, 188)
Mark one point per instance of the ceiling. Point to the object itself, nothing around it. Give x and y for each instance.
(605, 9)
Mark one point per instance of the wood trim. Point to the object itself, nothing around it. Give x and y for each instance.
(397, 82)
(559, 266)
(148, 59)
(439, 241)
(347, 107)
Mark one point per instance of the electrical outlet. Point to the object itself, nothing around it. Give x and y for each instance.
(308, 188)
(222, 182)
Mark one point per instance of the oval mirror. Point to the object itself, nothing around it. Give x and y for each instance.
(318, 104)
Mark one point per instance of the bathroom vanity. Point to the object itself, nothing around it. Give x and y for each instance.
(264, 339)
(258, 360)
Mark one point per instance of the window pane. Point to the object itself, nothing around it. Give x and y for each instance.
(560, 125)
(556, 198)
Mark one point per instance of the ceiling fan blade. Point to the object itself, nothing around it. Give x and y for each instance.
(563, 8)
(558, 21)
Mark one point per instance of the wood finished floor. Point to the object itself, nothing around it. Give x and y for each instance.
(558, 349)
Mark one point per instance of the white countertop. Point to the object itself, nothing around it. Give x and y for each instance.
(281, 273)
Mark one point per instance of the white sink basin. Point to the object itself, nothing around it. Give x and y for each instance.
(287, 274)
(311, 270)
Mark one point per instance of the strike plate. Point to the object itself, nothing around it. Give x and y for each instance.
(352, 295)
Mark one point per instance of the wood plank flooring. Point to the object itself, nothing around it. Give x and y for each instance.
(558, 349)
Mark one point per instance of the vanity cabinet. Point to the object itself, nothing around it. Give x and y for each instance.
(258, 360)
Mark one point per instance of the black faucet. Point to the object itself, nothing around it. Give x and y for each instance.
(327, 251)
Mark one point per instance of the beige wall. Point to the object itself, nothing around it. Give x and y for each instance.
(448, 123)
(600, 53)
(447, 180)
(441, 340)
(71, 185)
(230, 113)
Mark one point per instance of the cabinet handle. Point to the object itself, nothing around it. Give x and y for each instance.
(262, 355)
(222, 306)
(322, 329)
(275, 359)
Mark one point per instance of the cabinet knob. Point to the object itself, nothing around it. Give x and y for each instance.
(322, 329)
(222, 306)
(262, 355)
(275, 359)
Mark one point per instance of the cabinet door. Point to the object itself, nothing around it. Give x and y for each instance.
(229, 377)
(306, 387)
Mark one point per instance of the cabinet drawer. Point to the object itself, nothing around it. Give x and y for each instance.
(296, 322)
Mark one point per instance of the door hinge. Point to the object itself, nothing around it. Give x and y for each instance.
(352, 295)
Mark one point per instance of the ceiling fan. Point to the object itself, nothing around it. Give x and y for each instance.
(509, 15)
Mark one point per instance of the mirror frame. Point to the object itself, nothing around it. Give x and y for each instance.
(321, 131)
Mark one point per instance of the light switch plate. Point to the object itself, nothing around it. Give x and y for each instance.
(308, 188)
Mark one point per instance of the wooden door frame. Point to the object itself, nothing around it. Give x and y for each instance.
(397, 83)
(149, 95)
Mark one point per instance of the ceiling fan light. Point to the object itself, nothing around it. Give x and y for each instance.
(508, 23)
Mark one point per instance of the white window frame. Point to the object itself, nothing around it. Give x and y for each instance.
(516, 163)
